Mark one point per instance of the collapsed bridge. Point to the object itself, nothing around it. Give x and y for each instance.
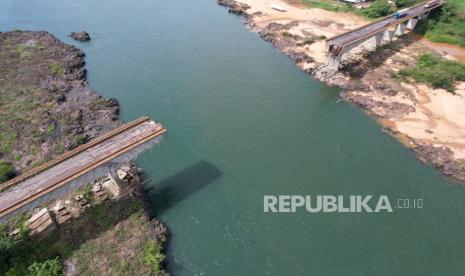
(78, 167)
(377, 33)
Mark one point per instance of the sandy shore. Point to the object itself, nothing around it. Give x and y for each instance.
(430, 121)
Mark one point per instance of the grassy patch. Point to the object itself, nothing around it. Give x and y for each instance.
(56, 69)
(7, 137)
(21, 50)
(435, 71)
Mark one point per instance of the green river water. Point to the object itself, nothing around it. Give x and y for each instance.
(244, 122)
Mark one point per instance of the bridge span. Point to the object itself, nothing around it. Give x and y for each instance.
(377, 33)
(78, 167)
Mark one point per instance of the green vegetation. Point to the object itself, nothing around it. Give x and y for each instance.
(435, 71)
(19, 254)
(6, 171)
(50, 129)
(111, 238)
(287, 34)
(153, 256)
(56, 69)
(307, 41)
(446, 25)
(21, 51)
(7, 137)
(79, 139)
(379, 8)
(46, 268)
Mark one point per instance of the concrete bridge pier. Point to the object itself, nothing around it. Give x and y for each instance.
(334, 61)
(412, 23)
(388, 35)
(400, 30)
(375, 40)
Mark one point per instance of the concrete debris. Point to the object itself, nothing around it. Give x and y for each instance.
(41, 222)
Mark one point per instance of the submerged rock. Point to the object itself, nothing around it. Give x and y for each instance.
(80, 36)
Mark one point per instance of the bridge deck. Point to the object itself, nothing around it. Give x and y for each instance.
(378, 25)
(58, 174)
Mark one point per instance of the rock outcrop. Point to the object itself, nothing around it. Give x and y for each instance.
(80, 36)
(234, 6)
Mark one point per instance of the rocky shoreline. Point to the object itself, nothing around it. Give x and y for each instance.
(48, 108)
(46, 80)
(364, 80)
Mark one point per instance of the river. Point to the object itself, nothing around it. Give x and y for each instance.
(244, 122)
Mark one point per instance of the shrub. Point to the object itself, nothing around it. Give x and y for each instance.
(153, 256)
(6, 171)
(287, 34)
(50, 267)
(50, 129)
(79, 139)
(307, 41)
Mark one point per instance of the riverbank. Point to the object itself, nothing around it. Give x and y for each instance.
(427, 120)
(47, 108)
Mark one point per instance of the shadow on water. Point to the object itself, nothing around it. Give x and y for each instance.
(170, 191)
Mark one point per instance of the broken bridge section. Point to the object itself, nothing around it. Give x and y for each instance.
(78, 167)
